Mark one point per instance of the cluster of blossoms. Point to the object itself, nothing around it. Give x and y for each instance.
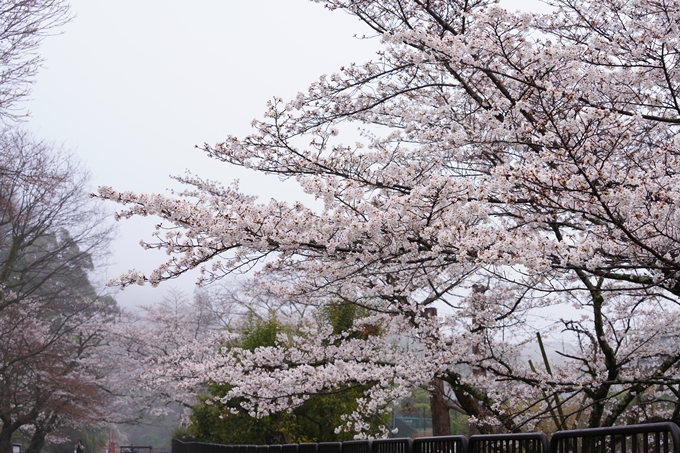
(511, 165)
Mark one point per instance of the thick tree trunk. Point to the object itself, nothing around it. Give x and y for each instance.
(6, 437)
(5, 442)
(439, 408)
(37, 442)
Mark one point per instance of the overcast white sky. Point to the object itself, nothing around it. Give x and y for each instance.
(132, 85)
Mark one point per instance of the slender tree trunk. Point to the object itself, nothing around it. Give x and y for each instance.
(439, 408)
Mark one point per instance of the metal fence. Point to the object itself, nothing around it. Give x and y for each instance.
(442, 444)
(356, 446)
(509, 443)
(649, 438)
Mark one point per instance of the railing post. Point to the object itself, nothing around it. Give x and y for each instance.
(440, 444)
(330, 447)
(647, 438)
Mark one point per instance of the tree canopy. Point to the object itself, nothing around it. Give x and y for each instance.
(517, 169)
(51, 317)
(313, 421)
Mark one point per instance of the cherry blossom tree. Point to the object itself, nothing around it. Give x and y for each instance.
(51, 317)
(138, 339)
(51, 234)
(314, 420)
(49, 372)
(23, 25)
(517, 169)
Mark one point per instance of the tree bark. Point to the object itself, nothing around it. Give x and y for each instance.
(6, 433)
(37, 442)
(439, 408)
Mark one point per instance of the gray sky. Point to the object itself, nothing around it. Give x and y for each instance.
(132, 85)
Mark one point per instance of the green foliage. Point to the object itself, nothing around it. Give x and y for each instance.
(256, 332)
(94, 439)
(417, 405)
(460, 425)
(313, 421)
(342, 316)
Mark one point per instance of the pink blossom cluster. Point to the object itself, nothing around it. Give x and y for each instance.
(519, 170)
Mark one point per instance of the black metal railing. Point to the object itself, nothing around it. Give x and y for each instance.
(440, 444)
(509, 443)
(397, 445)
(649, 438)
(356, 446)
(330, 447)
